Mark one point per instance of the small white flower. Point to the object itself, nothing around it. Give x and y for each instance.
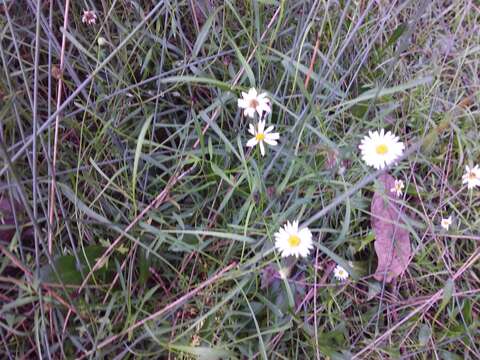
(262, 135)
(398, 188)
(101, 41)
(471, 176)
(252, 101)
(290, 240)
(445, 223)
(380, 150)
(340, 273)
(89, 17)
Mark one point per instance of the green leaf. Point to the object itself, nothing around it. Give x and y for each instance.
(147, 60)
(73, 41)
(221, 173)
(219, 132)
(365, 241)
(80, 204)
(143, 265)
(448, 290)
(359, 110)
(196, 80)
(396, 35)
(17, 303)
(467, 311)
(138, 152)
(430, 140)
(378, 93)
(447, 355)
(243, 62)
(217, 234)
(204, 33)
(66, 267)
(447, 296)
(424, 334)
(203, 352)
(331, 342)
(293, 67)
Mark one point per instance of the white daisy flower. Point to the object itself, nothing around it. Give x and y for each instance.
(262, 135)
(290, 240)
(398, 188)
(445, 223)
(380, 150)
(340, 273)
(252, 101)
(471, 176)
(89, 17)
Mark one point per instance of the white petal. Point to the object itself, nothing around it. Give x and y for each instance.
(252, 142)
(261, 126)
(268, 129)
(262, 148)
(304, 252)
(251, 129)
(263, 108)
(288, 227)
(295, 225)
(242, 103)
(305, 234)
(273, 136)
(270, 142)
(250, 112)
(281, 233)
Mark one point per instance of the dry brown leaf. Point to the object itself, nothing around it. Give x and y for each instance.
(392, 240)
(56, 72)
(466, 102)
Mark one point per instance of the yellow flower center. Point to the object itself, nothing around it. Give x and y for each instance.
(260, 136)
(472, 175)
(381, 149)
(253, 103)
(293, 240)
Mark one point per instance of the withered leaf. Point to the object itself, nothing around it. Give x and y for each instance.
(392, 240)
(56, 72)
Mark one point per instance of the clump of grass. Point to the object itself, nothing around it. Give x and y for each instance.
(151, 233)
